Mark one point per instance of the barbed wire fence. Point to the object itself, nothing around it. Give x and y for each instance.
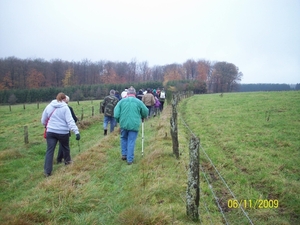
(195, 195)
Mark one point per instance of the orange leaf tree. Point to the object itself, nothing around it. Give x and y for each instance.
(35, 79)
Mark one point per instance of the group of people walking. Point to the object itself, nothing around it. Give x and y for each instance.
(153, 99)
(127, 109)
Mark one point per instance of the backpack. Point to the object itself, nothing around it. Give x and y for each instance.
(157, 102)
(162, 94)
(109, 104)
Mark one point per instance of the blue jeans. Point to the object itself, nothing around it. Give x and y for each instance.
(128, 138)
(149, 110)
(111, 120)
(52, 139)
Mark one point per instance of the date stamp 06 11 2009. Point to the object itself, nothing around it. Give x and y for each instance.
(253, 204)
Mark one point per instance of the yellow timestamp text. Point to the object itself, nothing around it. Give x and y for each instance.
(253, 204)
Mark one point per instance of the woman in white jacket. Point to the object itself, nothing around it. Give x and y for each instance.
(58, 120)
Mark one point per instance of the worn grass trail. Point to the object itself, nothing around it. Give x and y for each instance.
(99, 188)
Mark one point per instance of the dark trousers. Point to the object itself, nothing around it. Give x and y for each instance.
(52, 139)
(161, 106)
(60, 154)
(149, 110)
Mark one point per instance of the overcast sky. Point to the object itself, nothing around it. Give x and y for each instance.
(261, 37)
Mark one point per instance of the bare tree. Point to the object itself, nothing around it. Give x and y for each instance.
(224, 77)
(190, 67)
(144, 72)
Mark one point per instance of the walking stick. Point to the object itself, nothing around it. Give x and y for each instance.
(79, 145)
(143, 138)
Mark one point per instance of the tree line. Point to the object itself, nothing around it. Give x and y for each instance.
(29, 73)
(32, 80)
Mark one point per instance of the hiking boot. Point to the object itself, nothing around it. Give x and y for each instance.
(69, 162)
(47, 174)
(124, 157)
(129, 163)
(105, 132)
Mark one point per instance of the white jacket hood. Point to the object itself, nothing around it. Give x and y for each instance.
(56, 104)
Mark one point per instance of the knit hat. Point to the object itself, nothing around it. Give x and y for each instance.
(131, 91)
(112, 92)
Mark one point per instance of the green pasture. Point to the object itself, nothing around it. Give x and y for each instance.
(252, 139)
(20, 161)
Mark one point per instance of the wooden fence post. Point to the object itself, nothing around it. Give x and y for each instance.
(193, 189)
(92, 110)
(174, 129)
(101, 108)
(26, 135)
(81, 114)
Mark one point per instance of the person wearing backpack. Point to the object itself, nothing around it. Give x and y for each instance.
(162, 97)
(156, 106)
(109, 104)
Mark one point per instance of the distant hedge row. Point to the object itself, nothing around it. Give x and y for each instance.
(76, 93)
(99, 91)
(264, 87)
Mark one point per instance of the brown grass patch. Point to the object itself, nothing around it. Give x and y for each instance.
(10, 154)
(138, 215)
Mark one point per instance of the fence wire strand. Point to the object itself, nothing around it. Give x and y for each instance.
(225, 184)
(205, 206)
(209, 185)
(216, 198)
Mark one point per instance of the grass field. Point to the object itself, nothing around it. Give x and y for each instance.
(252, 139)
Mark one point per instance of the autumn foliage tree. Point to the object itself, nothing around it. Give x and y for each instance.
(69, 79)
(6, 82)
(203, 70)
(34, 73)
(35, 79)
(109, 75)
(173, 72)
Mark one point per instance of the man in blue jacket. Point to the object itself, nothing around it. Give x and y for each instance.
(129, 112)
